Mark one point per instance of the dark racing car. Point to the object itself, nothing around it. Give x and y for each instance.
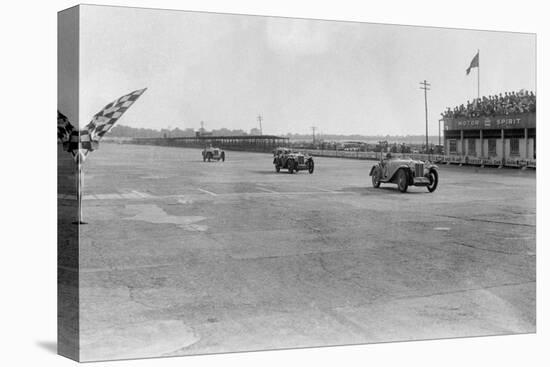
(292, 161)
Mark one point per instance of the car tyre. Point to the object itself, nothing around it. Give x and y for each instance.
(310, 166)
(402, 180)
(433, 176)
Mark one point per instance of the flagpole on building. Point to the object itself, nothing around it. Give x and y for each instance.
(478, 72)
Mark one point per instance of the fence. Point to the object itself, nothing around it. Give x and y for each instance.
(269, 146)
(264, 143)
(436, 158)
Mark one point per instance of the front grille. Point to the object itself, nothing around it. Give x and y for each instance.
(418, 169)
(301, 160)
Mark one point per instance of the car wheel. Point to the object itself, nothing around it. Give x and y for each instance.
(376, 178)
(433, 176)
(402, 183)
(277, 168)
(290, 165)
(310, 167)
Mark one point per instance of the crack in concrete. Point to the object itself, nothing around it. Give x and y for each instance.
(490, 250)
(464, 290)
(488, 221)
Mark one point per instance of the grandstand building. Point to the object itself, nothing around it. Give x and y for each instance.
(258, 143)
(500, 137)
(499, 130)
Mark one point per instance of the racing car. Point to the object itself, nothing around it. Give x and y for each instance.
(405, 172)
(212, 153)
(293, 161)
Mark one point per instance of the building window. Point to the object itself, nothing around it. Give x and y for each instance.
(452, 146)
(471, 147)
(514, 146)
(492, 147)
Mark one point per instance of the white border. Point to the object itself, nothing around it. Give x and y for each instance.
(28, 182)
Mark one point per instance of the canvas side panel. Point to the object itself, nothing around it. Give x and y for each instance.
(67, 187)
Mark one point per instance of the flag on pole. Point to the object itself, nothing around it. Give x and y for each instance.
(473, 64)
(104, 120)
(80, 142)
(64, 129)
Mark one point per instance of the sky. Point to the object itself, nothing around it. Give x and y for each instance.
(341, 77)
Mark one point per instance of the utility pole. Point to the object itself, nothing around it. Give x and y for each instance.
(439, 132)
(260, 118)
(313, 132)
(426, 87)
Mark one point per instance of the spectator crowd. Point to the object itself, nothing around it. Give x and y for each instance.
(498, 105)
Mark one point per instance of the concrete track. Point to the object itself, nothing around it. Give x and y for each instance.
(185, 257)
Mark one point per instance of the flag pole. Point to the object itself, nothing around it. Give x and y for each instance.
(478, 72)
(80, 185)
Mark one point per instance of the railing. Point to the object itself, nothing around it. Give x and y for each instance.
(266, 147)
(436, 158)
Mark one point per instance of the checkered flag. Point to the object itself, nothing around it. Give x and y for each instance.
(80, 142)
(64, 128)
(105, 119)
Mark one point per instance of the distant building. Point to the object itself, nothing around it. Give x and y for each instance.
(255, 131)
(203, 132)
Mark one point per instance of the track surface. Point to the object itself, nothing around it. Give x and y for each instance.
(186, 257)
